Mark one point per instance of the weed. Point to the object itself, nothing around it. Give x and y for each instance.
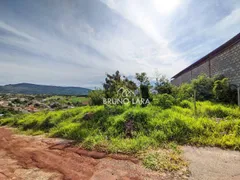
(131, 129)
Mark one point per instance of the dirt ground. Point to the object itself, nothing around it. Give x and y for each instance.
(212, 163)
(38, 158)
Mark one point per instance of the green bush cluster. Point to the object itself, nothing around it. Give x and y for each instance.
(185, 104)
(164, 100)
(96, 97)
(216, 89)
(224, 92)
(164, 94)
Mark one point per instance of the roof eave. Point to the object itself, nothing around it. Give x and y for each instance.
(227, 44)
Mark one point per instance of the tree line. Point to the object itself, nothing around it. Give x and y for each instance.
(217, 89)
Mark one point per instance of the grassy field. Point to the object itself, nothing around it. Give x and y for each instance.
(130, 130)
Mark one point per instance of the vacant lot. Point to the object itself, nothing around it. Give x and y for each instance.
(38, 158)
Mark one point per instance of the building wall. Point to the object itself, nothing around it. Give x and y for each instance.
(228, 64)
(225, 63)
(201, 69)
(184, 78)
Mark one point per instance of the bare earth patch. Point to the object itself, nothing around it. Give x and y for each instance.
(213, 163)
(38, 158)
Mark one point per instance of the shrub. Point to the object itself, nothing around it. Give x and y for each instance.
(96, 97)
(186, 104)
(203, 85)
(221, 90)
(177, 129)
(136, 121)
(185, 91)
(217, 112)
(164, 100)
(233, 95)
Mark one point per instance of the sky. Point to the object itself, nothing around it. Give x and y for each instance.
(76, 42)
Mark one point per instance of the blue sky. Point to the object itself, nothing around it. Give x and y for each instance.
(60, 42)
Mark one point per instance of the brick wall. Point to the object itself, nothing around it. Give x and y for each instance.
(184, 78)
(227, 63)
(201, 69)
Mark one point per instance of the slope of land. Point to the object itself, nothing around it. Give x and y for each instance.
(26, 88)
(130, 130)
(38, 158)
(35, 158)
(21, 103)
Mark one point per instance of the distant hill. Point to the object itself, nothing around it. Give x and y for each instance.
(26, 88)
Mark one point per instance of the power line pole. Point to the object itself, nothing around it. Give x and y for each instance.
(194, 102)
(238, 89)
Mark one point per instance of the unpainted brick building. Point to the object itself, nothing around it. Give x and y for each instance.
(225, 60)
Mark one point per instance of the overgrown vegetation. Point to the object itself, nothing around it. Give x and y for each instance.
(216, 89)
(170, 118)
(165, 159)
(130, 129)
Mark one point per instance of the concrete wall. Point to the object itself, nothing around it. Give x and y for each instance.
(225, 63)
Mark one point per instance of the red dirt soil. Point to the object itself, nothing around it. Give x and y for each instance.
(38, 158)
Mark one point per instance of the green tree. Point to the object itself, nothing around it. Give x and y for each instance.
(142, 78)
(114, 82)
(163, 85)
(144, 86)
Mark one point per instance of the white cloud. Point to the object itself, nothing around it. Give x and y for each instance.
(164, 7)
(76, 44)
(226, 27)
(10, 29)
(142, 15)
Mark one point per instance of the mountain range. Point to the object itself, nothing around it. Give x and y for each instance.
(27, 88)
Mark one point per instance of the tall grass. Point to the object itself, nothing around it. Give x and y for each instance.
(108, 128)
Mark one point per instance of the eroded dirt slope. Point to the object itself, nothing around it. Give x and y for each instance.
(39, 158)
